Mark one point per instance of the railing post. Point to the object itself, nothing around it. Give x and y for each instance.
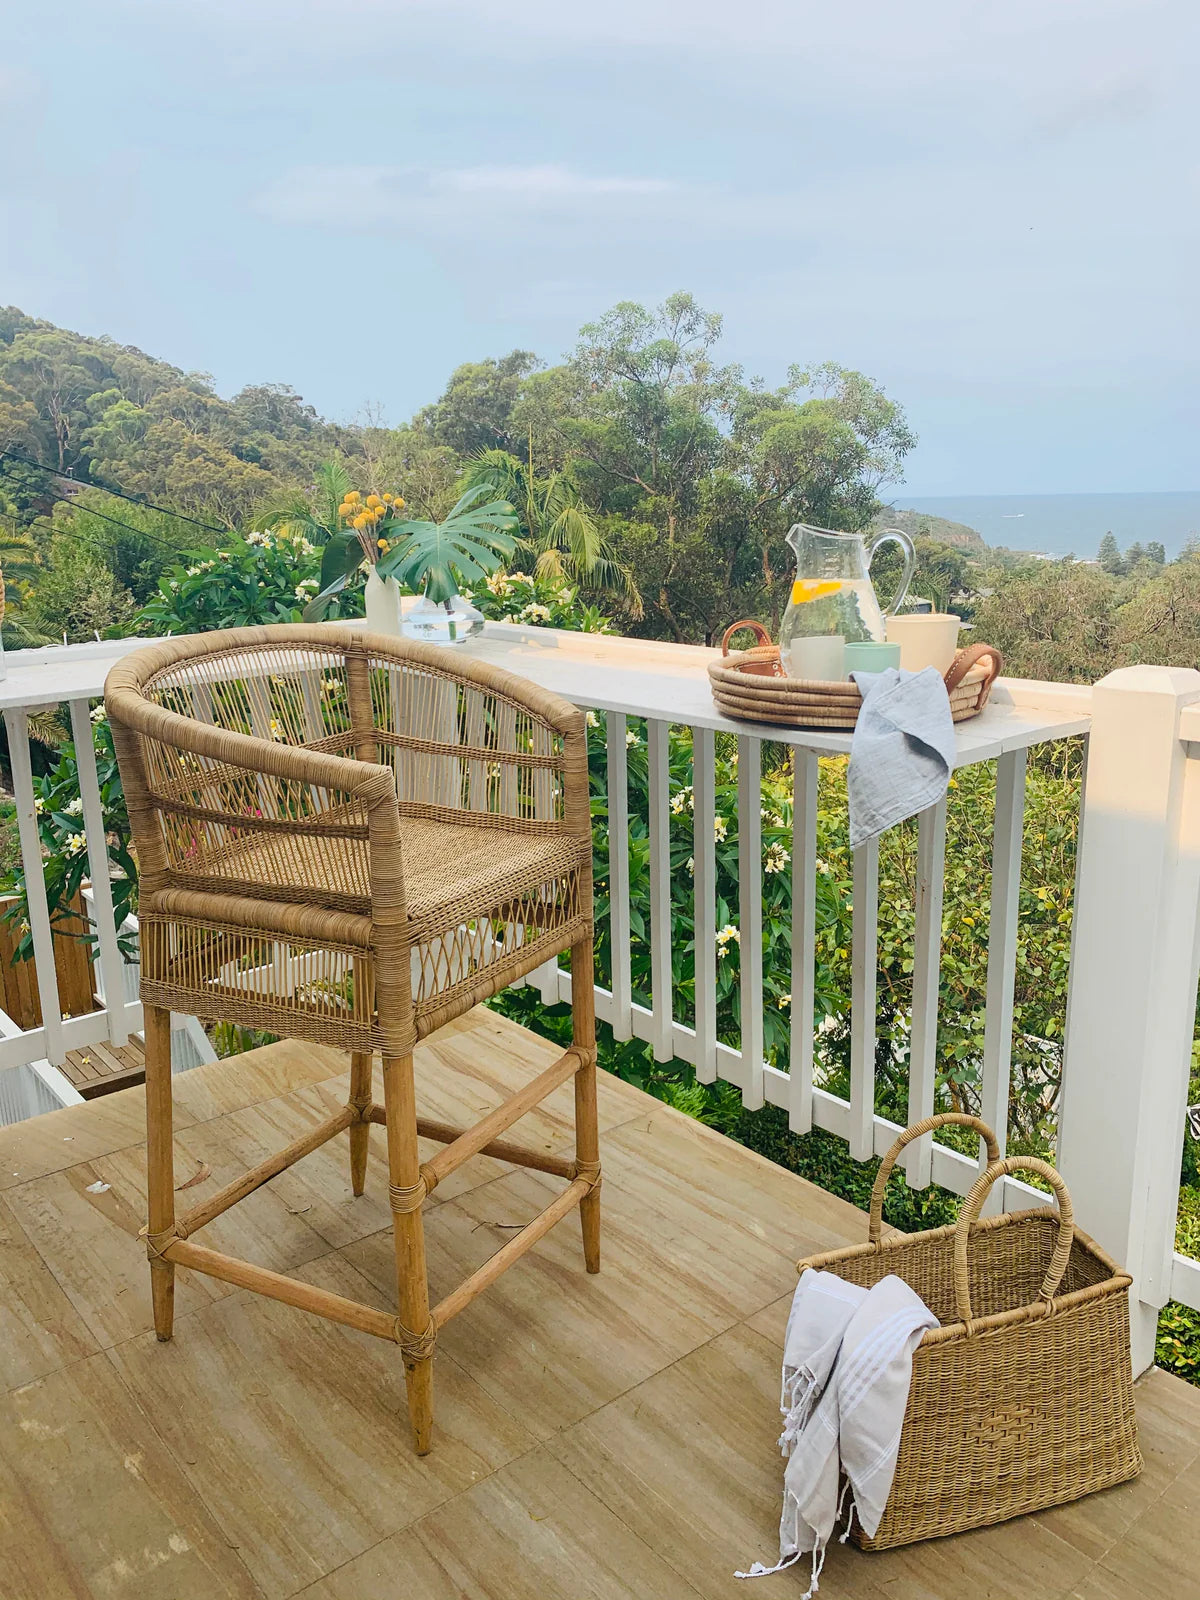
(1134, 971)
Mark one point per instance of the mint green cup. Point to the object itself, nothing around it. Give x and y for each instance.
(871, 657)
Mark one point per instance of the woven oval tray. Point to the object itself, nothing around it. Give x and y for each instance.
(752, 686)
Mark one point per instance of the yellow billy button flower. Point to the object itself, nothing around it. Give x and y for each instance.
(382, 543)
(373, 500)
(361, 520)
(353, 495)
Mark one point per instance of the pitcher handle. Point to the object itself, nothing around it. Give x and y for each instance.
(895, 536)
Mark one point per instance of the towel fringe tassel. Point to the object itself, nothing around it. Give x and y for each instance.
(757, 1570)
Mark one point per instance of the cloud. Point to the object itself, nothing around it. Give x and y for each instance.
(19, 90)
(449, 200)
(547, 183)
(1122, 99)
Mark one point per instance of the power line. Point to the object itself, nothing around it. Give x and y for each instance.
(119, 494)
(141, 533)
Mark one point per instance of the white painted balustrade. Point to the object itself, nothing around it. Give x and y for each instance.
(1134, 964)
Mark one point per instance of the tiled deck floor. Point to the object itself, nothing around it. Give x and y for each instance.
(596, 1437)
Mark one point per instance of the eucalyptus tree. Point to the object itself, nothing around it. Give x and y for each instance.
(695, 474)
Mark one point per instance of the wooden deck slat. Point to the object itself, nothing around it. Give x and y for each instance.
(609, 1437)
(103, 1069)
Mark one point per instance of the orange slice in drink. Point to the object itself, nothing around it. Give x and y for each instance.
(805, 589)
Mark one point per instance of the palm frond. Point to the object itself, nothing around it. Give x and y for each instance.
(18, 556)
(574, 531)
(332, 483)
(18, 635)
(549, 564)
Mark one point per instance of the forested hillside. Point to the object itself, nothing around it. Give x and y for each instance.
(641, 448)
(651, 474)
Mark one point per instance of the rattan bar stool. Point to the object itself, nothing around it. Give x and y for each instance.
(352, 839)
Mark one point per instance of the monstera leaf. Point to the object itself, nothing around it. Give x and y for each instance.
(474, 539)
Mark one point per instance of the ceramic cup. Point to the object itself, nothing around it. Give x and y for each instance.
(929, 640)
(818, 657)
(871, 657)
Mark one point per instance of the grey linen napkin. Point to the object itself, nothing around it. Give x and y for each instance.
(902, 751)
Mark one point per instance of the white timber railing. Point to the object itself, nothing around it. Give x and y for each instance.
(1135, 960)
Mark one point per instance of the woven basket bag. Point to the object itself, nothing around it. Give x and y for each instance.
(751, 685)
(1023, 1398)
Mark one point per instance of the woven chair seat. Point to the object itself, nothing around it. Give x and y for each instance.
(451, 872)
(484, 905)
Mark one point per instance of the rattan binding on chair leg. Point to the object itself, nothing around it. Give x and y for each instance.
(353, 839)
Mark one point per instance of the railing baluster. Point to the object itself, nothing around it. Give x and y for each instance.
(927, 969)
(310, 698)
(704, 888)
(659, 753)
(111, 965)
(864, 963)
(17, 722)
(258, 702)
(479, 783)
(750, 874)
(1007, 839)
(201, 697)
(804, 939)
(618, 875)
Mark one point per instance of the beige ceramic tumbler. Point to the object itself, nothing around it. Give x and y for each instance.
(926, 639)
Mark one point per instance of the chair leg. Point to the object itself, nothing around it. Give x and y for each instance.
(160, 1164)
(360, 1132)
(587, 1129)
(408, 1231)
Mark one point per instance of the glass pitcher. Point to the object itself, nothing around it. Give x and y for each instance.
(832, 596)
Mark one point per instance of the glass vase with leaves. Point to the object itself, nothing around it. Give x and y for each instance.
(427, 558)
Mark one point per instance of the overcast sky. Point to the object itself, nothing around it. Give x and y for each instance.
(990, 206)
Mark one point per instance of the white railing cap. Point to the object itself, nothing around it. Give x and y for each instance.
(641, 677)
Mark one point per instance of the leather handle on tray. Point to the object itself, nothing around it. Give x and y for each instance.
(969, 1215)
(966, 659)
(764, 638)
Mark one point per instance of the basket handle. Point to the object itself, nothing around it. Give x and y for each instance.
(966, 659)
(969, 1216)
(764, 637)
(958, 1118)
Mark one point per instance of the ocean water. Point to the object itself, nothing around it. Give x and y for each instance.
(1070, 524)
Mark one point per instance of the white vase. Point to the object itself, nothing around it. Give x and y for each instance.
(383, 604)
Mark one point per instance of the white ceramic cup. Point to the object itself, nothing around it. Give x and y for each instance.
(926, 639)
(818, 657)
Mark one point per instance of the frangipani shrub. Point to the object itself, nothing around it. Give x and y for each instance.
(262, 576)
(536, 602)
